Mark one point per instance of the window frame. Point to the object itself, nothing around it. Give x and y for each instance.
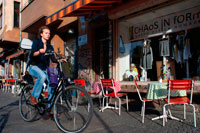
(1, 16)
(15, 23)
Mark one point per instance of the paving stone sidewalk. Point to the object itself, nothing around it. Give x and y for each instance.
(102, 122)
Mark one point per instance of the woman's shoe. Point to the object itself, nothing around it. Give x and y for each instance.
(33, 100)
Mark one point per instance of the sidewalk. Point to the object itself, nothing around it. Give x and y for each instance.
(102, 122)
(129, 122)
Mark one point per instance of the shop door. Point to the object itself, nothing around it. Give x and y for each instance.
(101, 53)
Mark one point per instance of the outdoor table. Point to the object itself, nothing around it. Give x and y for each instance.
(158, 91)
(96, 86)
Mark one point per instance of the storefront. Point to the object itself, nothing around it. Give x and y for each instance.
(162, 42)
(95, 55)
(95, 43)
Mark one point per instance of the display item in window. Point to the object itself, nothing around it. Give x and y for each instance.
(168, 73)
(164, 46)
(132, 73)
(143, 76)
(147, 55)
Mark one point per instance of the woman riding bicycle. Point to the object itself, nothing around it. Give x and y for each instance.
(71, 105)
(39, 63)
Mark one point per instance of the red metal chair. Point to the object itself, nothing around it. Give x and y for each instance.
(176, 85)
(81, 83)
(110, 84)
(9, 83)
(143, 100)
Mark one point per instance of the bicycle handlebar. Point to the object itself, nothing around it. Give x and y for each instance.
(50, 53)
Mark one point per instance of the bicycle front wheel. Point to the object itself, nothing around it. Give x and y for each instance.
(27, 111)
(73, 109)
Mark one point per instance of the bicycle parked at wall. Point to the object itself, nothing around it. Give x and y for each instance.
(72, 105)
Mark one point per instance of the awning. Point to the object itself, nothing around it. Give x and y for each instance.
(81, 8)
(15, 55)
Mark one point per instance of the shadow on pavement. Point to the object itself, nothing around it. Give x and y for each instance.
(3, 121)
(16, 103)
(5, 114)
(103, 122)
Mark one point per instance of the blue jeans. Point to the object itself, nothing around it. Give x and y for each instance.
(41, 76)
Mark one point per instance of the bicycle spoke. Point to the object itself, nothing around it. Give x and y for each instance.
(27, 111)
(75, 108)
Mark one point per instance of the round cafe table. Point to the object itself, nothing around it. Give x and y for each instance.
(157, 90)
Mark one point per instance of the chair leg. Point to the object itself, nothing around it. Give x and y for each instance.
(143, 112)
(142, 109)
(100, 102)
(184, 111)
(119, 106)
(194, 115)
(107, 101)
(103, 104)
(127, 102)
(164, 115)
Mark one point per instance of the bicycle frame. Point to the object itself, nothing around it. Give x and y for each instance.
(59, 87)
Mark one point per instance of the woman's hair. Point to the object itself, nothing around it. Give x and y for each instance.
(41, 30)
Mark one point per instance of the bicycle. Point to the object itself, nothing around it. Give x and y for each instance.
(73, 104)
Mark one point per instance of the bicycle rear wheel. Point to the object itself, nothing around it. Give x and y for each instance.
(73, 109)
(27, 111)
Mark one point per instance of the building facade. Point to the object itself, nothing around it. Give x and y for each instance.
(9, 35)
(159, 37)
(170, 27)
(63, 33)
(95, 46)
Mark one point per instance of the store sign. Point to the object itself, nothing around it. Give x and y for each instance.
(82, 40)
(178, 21)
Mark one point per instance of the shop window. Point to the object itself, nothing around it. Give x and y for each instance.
(16, 14)
(174, 40)
(130, 59)
(174, 56)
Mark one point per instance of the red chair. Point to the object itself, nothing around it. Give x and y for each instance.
(9, 83)
(177, 85)
(81, 83)
(110, 84)
(143, 100)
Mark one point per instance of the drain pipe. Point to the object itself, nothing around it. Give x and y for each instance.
(20, 19)
(3, 21)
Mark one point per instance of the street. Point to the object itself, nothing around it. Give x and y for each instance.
(106, 122)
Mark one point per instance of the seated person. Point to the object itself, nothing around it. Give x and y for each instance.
(28, 78)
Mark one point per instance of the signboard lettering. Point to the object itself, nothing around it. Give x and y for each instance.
(186, 19)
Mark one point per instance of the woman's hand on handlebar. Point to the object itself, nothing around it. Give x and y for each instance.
(62, 60)
(42, 51)
(58, 57)
(49, 53)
